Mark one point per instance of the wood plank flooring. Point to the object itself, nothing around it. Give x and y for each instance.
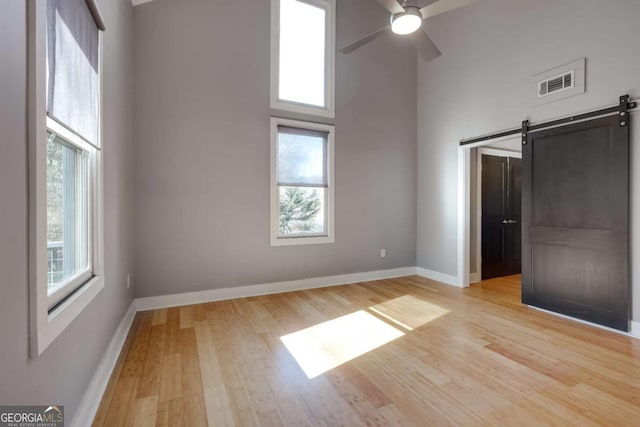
(437, 356)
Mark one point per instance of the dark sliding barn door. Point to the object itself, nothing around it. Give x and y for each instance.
(575, 213)
(501, 234)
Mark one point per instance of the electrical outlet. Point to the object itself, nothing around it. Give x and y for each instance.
(383, 253)
(128, 280)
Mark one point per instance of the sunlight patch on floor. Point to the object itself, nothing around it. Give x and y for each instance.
(408, 311)
(322, 347)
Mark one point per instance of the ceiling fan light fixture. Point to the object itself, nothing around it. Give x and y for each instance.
(406, 22)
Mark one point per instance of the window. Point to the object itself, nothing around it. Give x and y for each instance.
(68, 221)
(302, 193)
(64, 165)
(303, 56)
(302, 81)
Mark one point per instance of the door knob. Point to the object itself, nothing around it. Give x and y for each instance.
(509, 221)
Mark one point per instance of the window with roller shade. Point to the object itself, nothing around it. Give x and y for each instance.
(301, 182)
(73, 108)
(65, 154)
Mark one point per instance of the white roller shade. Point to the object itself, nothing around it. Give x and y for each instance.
(302, 157)
(73, 82)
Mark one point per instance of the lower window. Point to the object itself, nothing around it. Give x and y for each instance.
(68, 218)
(302, 211)
(301, 182)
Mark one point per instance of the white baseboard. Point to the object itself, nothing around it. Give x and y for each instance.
(93, 395)
(475, 278)
(634, 332)
(635, 329)
(174, 300)
(438, 277)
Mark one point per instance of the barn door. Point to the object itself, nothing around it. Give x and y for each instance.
(575, 214)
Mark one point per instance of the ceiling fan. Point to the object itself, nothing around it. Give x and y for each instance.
(406, 20)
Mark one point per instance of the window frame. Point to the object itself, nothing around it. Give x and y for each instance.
(311, 238)
(47, 323)
(330, 54)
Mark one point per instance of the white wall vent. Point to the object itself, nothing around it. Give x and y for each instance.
(559, 82)
(562, 82)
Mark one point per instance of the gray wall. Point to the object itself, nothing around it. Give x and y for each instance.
(202, 149)
(480, 84)
(62, 373)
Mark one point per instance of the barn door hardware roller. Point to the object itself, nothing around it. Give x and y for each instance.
(525, 131)
(624, 108)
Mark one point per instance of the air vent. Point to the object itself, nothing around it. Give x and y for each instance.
(556, 84)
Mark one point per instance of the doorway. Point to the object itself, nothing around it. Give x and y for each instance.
(511, 151)
(499, 222)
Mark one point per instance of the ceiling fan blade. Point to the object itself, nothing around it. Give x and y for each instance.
(366, 39)
(392, 6)
(421, 4)
(426, 48)
(443, 6)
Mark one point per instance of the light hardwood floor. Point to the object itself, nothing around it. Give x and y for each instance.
(445, 356)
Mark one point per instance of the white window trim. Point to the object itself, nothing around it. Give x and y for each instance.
(330, 60)
(276, 240)
(46, 326)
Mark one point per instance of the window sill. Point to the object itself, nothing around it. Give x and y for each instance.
(303, 109)
(295, 241)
